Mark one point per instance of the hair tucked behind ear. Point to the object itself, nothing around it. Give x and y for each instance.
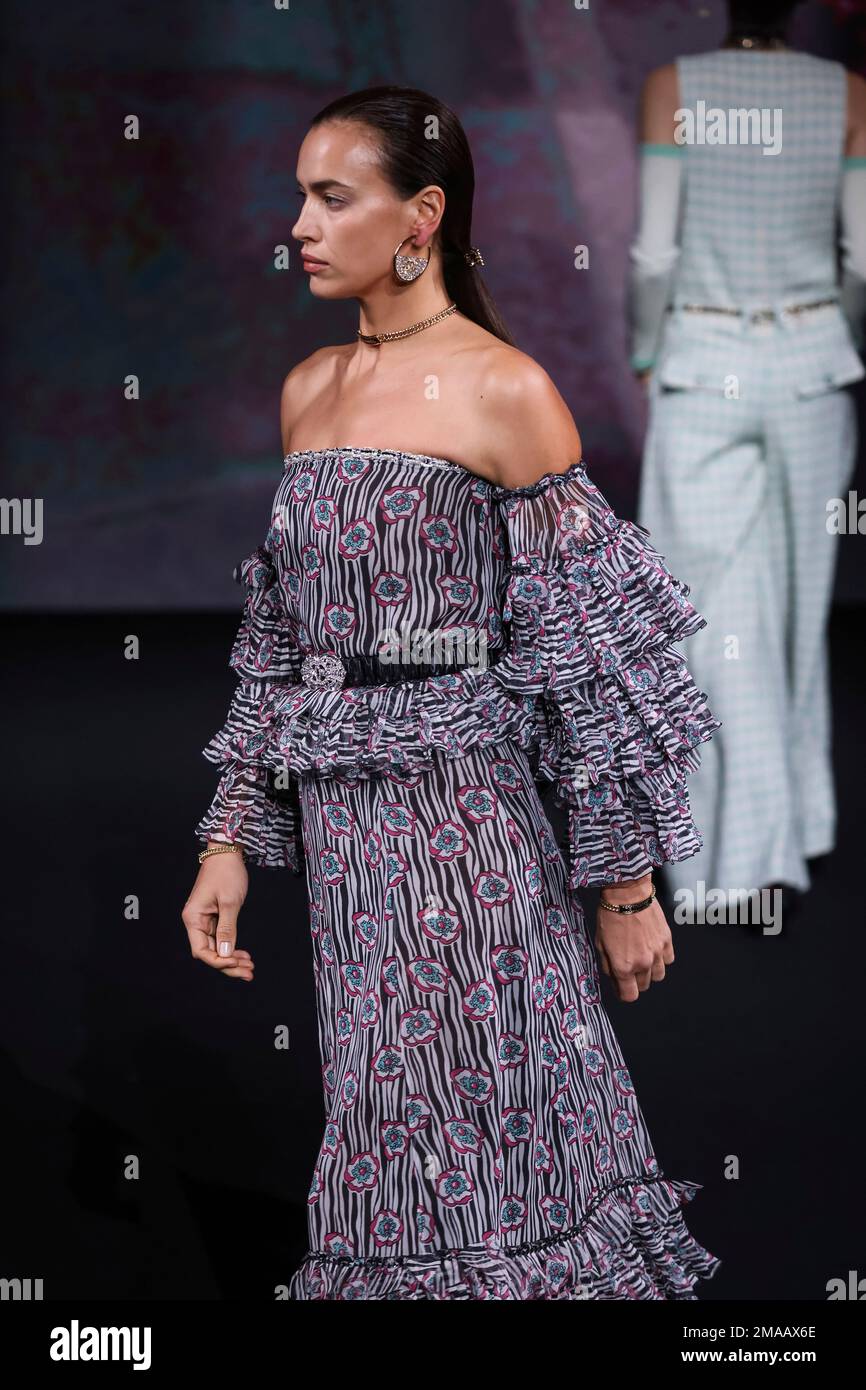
(416, 152)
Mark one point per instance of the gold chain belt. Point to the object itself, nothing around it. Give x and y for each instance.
(754, 315)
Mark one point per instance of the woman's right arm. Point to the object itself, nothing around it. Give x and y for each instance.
(210, 913)
(243, 812)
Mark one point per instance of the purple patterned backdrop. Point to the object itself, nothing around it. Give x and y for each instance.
(154, 256)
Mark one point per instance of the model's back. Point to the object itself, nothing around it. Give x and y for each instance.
(760, 228)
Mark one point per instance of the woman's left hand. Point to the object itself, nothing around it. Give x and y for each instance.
(633, 947)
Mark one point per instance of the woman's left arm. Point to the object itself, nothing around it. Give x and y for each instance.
(594, 617)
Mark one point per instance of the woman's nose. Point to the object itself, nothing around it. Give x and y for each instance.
(299, 231)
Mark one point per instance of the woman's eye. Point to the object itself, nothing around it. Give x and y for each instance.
(326, 198)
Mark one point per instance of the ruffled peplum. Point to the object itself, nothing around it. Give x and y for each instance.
(367, 731)
(594, 613)
(278, 727)
(631, 1243)
(358, 732)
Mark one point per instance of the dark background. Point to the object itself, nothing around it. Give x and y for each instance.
(155, 257)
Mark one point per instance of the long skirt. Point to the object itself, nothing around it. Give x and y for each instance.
(483, 1139)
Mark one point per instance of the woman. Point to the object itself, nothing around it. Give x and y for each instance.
(750, 423)
(483, 1137)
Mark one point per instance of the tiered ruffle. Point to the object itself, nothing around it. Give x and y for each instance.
(265, 647)
(269, 830)
(264, 652)
(594, 613)
(631, 1243)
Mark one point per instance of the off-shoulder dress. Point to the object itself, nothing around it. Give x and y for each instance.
(483, 1139)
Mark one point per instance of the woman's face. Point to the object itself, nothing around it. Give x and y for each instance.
(350, 217)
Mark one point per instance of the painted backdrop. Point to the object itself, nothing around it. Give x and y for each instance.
(155, 257)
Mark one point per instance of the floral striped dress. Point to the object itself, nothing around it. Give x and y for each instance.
(483, 1137)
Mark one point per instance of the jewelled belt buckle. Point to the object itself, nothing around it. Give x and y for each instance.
(323, 671)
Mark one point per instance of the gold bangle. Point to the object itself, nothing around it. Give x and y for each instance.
(220, 849)
(626, 907)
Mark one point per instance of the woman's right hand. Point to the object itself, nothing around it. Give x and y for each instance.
(210, 914)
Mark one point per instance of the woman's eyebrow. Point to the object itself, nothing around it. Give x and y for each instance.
(321, 184)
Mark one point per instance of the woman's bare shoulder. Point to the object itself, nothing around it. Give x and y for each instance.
(312, 368)
(529, 429)
(304, 383)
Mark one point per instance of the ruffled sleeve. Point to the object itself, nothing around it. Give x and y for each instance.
(594, 612)
(252, 807)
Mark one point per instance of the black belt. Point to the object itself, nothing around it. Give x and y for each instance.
(331, 671)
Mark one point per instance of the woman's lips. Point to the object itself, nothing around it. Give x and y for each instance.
(311, 264)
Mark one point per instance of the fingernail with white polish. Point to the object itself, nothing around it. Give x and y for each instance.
(225, 948)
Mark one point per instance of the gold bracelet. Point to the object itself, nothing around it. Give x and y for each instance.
(220, 849)
(626, 907)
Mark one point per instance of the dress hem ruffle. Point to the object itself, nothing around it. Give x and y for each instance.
(632, 1243)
